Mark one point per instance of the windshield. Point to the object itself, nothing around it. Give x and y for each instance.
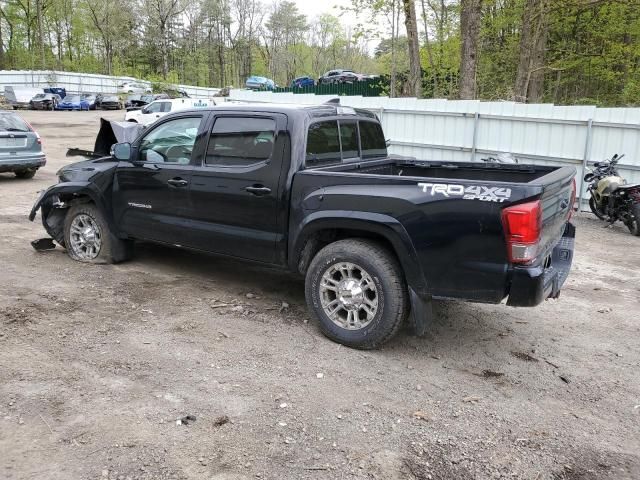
(12, 123)
(72, 98)
(110, 98)
(40, 96)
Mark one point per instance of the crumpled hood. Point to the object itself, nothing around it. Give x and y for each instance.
(87, 170)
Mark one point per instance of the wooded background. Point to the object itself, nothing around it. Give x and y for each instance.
(560, 51)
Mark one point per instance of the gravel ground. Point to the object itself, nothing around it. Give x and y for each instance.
(98, 362)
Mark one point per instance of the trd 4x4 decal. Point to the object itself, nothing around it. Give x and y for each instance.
(473, 192)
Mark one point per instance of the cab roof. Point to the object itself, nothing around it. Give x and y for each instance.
(293, 109)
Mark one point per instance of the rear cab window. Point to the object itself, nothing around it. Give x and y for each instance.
(343, 140)
(372, 140)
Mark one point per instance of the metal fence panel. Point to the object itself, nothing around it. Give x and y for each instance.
(462, 130)
(82, 82)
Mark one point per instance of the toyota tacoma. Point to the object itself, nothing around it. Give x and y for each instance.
(312, 189)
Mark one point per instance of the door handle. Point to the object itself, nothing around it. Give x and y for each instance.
(258, 190)
(177, 182)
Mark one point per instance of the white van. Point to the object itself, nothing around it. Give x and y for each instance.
(159, 108)
(19, 97)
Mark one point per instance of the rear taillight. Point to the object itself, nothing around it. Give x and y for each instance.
(38, 139)
(522, 227)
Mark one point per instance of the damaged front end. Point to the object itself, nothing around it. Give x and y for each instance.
(90, 180)
(55, 201)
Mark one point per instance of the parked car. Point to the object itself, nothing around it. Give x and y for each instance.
(143, 100)
(311, 189)
(260, 83)
(73, 102)
(20, 97)
(134, 87)
(45, 101)
(301, 82)
(159, 108)
(134, 97)
(90, 98)
(20, 146)
(61, 92)
(108, 102)
(341, 76)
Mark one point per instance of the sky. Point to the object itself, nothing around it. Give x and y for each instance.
(315, 8)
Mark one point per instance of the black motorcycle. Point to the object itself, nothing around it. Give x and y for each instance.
(611, 198)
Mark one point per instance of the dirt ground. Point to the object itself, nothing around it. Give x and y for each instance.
(98, 362)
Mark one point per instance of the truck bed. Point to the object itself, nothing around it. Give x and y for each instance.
(488, 172)
(452, 211)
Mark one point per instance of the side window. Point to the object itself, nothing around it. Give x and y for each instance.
(154, 107)
(349, 139)
(372, 140)
(165, 107)
(240, 141)
(323, 143)
(170, 142)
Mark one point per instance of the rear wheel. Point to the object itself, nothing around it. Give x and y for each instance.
(634, 223)
(594, 208)
(357, 291)
(26, 174)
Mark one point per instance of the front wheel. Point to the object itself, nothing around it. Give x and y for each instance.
(88, 239)
(593, 205)
(357, 291)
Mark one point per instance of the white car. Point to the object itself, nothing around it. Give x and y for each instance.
(159, 108)
(131, 87)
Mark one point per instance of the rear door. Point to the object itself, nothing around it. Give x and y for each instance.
(235, 191)
(151, 192)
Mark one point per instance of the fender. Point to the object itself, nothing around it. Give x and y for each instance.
(48, 197)
(386, 226)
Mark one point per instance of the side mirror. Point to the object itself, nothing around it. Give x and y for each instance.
(145, 110)
(121, 151)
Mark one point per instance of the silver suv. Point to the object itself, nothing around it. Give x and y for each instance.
(20, 146)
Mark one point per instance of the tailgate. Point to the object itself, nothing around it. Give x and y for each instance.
(557, 202)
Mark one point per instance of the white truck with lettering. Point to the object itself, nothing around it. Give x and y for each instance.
(159, 108)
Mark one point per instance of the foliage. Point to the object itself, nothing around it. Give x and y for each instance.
(589, 50)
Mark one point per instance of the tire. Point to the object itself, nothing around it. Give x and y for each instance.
(594, 208)
(634, 224)
(26, 174)
(109, 248)
(363, 259)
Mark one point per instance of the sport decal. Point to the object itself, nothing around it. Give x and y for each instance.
(473, 192)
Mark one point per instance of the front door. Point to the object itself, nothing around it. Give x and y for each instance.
(151, 192)
(153, 112)
(235, 192)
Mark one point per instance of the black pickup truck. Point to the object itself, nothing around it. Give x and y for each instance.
(312, 189)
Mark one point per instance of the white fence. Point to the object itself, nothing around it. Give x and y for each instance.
(469, 130)
(81, 82)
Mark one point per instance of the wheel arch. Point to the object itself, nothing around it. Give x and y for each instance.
(61, 196)
(323, 228)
